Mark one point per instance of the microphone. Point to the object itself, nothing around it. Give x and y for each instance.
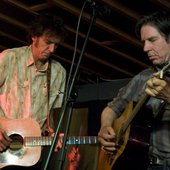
(101, 10)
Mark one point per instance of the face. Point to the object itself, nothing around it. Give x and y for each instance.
(155, 45)
(44, 46)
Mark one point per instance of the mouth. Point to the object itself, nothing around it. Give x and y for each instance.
(152, 57)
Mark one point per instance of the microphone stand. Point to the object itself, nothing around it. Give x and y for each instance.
(68, 102)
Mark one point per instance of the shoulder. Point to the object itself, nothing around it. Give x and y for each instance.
(4, 55)
(145, 74)
(13, 51)
(17, 50)
(141, 78)
(148, 71)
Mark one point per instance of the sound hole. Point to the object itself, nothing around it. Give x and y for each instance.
(17, 142)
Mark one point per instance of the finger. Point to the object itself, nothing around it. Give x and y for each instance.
(2, 147)
(106, 140)
(159, 82)
(149, 83)
(109, 149)
(6, 137)
(56, 149)
(107, 136)
(151, 92)
(58, 146)
(111, 131)
(156, 82)
(106, 144)
(153, 82)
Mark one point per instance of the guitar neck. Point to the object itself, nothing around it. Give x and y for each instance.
(144, 98)
(46, 141)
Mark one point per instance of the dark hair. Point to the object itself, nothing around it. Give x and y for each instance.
(51, 24)
(160, 20)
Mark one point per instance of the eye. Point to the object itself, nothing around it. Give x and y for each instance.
(153, 39)
(48, 42)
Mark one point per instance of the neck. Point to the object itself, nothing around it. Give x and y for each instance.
(40, 65)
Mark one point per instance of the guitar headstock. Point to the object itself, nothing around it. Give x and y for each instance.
(164, 70)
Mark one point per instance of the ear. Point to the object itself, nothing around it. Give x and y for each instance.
(34, 39)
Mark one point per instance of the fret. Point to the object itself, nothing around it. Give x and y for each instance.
(82, 140)
(37, 141)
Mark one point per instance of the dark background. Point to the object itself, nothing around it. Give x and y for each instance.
(112, 52)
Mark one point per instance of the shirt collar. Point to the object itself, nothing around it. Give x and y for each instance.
(30, 61)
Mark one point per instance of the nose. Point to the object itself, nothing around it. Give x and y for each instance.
(147, 46)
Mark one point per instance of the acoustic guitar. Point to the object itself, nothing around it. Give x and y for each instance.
(127, 134)
(25, 148)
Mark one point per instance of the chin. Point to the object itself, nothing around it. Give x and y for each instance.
(156, 63)
(45, 57)
(159, 64)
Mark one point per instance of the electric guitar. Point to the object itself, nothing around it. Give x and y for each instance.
(25, 148)
(127, 134)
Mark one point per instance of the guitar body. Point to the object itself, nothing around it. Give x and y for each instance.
(106, 161)
(20, 155)
(135, 154)
(133, 144)
(25, 148)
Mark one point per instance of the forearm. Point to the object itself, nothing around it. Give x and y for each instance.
(106, 134)
(107, 117)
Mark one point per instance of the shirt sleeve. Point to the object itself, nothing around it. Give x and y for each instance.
(131, 92)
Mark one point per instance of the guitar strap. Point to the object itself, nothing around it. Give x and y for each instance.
(48, 95)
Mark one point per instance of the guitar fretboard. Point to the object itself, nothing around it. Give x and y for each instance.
(73, 140)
